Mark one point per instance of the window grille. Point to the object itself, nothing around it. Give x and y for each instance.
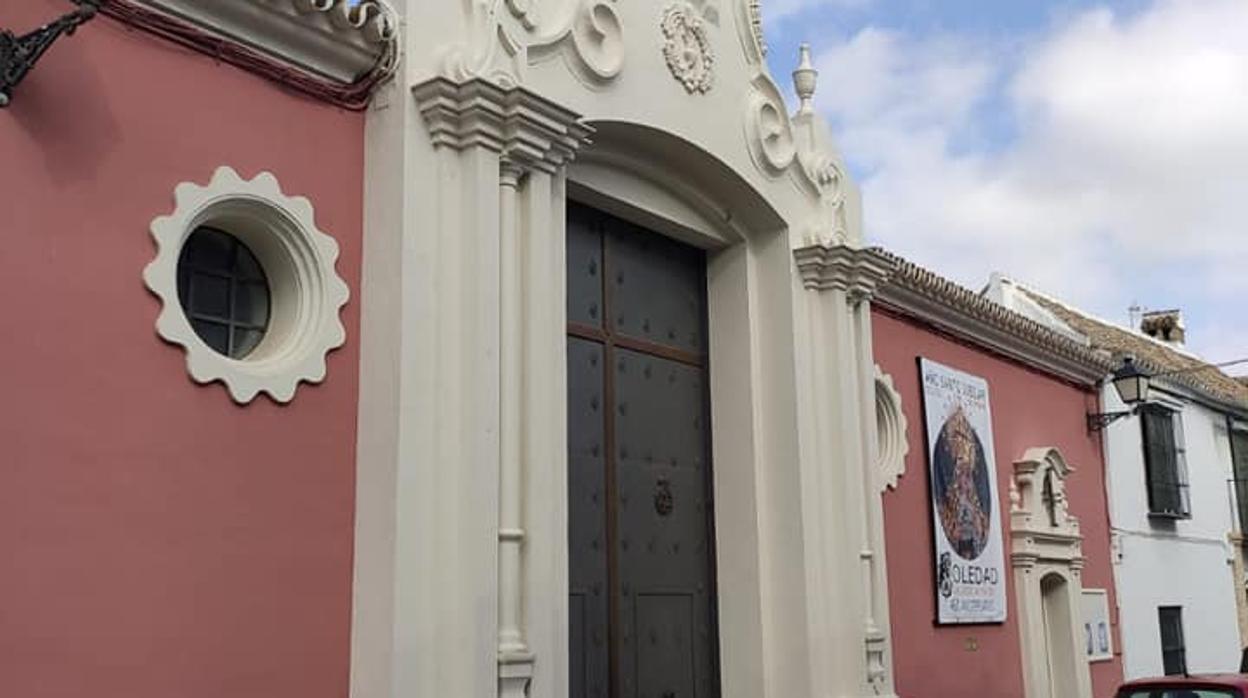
(1239, 469)
(1165, 460)
(224, 292)
(1173, 651)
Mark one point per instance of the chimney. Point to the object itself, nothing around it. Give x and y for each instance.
(1165, 325)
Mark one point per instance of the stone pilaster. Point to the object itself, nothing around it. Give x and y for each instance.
(842, 280)
(534, 140)
(458, 324)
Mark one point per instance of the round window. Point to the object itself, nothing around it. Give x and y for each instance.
(247, 285)
(223, 291)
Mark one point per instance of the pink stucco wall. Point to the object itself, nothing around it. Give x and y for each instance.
(1029, 409)
(157, 540)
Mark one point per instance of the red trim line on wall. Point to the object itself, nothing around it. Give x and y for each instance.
(970, 343)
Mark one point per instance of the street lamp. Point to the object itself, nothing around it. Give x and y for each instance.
(1132, 383)
(18, 54)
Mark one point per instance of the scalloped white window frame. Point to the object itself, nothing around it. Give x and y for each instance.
(305, 290)
(890, 425)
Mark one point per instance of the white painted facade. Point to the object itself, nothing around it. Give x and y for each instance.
(1165, 562)
(662, 113)
(1162, 561)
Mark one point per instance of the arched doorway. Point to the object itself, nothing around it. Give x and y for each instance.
(640, 541)
(1059, 631)
(464, 473)
(667, 188)
(1047, 556)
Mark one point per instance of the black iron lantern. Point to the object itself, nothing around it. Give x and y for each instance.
(1132, 384)
(18, 54)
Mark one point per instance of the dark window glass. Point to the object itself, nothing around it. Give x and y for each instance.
(1239, 459)
(1164, 467)
(223, 292)
(1173, 651)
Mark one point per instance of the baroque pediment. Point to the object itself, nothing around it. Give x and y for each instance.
(1042, 526)
(696, 66)
(506, 36)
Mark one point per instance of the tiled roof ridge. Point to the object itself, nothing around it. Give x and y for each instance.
(1151, 354)
(1042, 297)
(934, 287)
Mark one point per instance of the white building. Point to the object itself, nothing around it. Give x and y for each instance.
(1173, 511)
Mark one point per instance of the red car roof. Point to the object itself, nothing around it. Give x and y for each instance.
(1207, 681)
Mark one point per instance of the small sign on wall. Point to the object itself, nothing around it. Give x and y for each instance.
(1098, 642)
(966, 523)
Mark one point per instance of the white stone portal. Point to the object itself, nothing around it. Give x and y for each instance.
(504, 111)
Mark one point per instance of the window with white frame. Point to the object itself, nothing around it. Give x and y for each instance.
(248, 285)
(1165, 462)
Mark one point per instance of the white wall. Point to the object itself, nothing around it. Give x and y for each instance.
(1163, 562)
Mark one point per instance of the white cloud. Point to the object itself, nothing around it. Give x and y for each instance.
(776, 10)
(1123, 177)
(881, 85)
(1225, 343)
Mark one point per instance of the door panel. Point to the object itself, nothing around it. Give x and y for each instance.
(589, 607)
(662, 478)
(584, 258)
(666, 659)
(640, 511)
(657, 288)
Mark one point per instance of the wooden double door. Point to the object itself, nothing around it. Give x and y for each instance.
(641, 543)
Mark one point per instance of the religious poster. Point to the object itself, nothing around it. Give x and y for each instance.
(1097, 642)
(970, 554)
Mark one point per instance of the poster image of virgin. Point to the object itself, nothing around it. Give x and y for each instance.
(966, 521)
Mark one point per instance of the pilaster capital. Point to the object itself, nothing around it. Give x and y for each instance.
(510, 172)
(859, 271)
(1024, 560)
(525, 128)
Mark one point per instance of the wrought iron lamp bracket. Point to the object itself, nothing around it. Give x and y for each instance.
(18, 54)
(1098, 421)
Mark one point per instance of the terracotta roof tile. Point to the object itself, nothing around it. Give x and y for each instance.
(974, 309)
(1152, 354)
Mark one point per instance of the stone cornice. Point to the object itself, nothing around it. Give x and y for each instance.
(329, 38)
(522, 126)
(916, 292)
(1029, 548)
(859, 271)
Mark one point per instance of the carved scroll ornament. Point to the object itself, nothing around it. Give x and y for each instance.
(509, 35)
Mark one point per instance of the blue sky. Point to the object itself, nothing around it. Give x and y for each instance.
(1093, 150)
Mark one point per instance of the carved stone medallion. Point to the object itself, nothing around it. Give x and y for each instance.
(687, 48)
